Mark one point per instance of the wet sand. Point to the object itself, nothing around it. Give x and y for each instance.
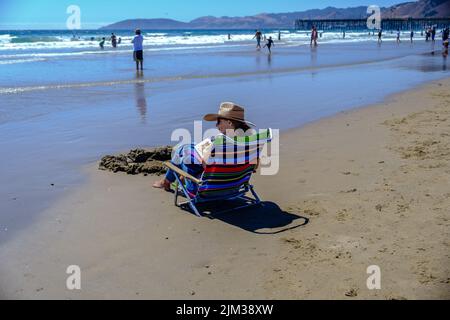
(365, 187)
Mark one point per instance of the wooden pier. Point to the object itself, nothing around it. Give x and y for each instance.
(361, 24)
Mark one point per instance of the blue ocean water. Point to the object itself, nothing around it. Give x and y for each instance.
(26, 46)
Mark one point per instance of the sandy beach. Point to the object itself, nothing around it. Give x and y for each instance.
(366, 187)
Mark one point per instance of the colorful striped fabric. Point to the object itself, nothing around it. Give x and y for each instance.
(224, 180)
(231, 165)
(240, 149)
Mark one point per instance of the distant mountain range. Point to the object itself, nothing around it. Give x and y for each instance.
(417, 9)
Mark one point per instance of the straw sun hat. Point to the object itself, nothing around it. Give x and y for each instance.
(230, 111)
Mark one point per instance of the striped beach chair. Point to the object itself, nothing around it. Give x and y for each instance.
(227, 173)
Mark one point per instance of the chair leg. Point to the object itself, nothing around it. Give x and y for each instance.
(255, 195)
(176, 196)
(190, 202)
(194, 208)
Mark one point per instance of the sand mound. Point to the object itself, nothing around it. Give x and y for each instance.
(138, 161)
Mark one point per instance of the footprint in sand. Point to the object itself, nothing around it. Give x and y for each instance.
(342, 215)
(352, 293)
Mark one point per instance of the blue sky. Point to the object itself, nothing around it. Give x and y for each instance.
(51, 14)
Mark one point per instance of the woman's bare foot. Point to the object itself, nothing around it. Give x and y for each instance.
(162, 184)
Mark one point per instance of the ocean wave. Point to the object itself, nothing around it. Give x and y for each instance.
(5, 38)
(15, 61)
(171, 41)
(29, 46)
(39, 42)
(38, 57)
(156, 34)
(49, 54)
(33, 39)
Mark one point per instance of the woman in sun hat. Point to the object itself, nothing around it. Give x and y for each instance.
(230, 121)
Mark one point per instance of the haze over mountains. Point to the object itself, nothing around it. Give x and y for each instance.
(416, 9)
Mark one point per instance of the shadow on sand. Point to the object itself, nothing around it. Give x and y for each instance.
(266, 218)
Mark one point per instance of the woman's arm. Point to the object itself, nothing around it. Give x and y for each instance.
(258, 161)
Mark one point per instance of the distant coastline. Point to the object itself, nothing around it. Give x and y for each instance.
(418, 9)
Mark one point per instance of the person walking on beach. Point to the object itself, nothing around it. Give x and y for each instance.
(398, 36)
(445, 34)
(279, 35)
(445, 45)
(269, 45)
(314, 36)
(229, 36)
(411, 36)
(343, 34)
(433, 34)
(258, 36)
(445, 51)
(102, 43)
(380, 34)
(138, 53)
(113, 40)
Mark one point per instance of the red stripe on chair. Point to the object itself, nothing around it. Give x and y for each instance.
(227, 168)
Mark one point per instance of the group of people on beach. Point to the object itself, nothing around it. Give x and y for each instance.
(138, 47)
(430, 33)
(138, 40)
(268, 42)
(114, 41)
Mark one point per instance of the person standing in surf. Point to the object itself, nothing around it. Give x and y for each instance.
(258, 36)
(138, 49)
(102, 43)
(380, 34)
(113, 40)
(445, 34)
(314, 36)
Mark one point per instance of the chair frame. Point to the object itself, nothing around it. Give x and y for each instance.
(193, 202)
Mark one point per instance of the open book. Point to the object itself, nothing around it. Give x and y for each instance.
(241, 149)
(204, 149)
